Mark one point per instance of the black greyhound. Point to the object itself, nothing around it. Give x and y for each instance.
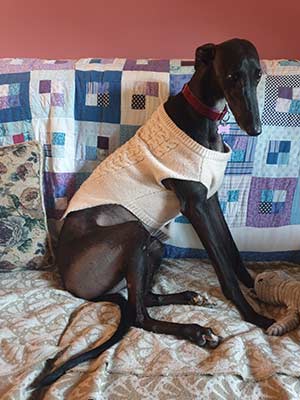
(99, 246)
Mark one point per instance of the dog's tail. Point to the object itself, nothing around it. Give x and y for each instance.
(124, 325)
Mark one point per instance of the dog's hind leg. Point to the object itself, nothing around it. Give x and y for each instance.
(155, 251)
(137, 270)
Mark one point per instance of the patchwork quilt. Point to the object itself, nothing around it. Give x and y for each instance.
(82, 110)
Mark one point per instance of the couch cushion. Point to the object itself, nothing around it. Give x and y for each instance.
(23, 227)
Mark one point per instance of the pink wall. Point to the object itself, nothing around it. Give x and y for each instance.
(153, 28)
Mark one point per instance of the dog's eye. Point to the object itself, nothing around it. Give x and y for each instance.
(258, 74)
(234, 77)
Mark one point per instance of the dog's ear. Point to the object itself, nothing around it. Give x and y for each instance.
(205, 54)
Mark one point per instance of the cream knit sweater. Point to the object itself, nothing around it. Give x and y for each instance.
(132, 175)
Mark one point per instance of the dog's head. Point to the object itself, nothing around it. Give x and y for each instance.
(235, 68)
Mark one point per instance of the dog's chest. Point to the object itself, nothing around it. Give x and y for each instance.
(216, 143)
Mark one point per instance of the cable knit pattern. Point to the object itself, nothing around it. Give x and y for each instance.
(279, 289)
(132, 175)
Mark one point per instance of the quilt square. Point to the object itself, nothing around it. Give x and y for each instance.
(233, 197)
(52, 93)
(57, 188)
(90, 153)
(4, 90)
(147, 65)
(282, 107)
(47, 150)
(140, 87)
(16, 132)
(58, 138)
(13, 101)
(270, 202)
(58, 141)
(243, 151)
(277, 153)
(91, 99)
(142, 92)
(265, 207)
(58, 151)
(295, 107)
(152, 89)
(177, 81)
(272, 158)
(295, 217)
(57, 99)
(14, 89)
(14, 97)
(103, 99)
(127, 132)
(278, 207)
(45, 86)
(4, 103)
(182, 67)
(138, 102)
(285, 92)
(40, 64)
(94, 142)
(20, 138)
(103, 142)
(100, 64)
(296, 93)
(98, 96)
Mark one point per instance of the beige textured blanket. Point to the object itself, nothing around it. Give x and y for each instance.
(248, 364)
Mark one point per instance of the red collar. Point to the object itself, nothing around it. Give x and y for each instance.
(200, 107)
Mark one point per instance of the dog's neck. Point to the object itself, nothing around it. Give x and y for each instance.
(201, 129)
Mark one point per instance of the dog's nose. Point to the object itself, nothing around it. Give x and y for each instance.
(254, 130)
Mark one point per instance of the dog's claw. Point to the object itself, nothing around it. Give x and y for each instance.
(275, 330)
(209, 339)
(201, 300)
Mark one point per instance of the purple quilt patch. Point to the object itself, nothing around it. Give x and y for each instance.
(57, 99)
(45, 86)
(152, 89)
(270, 202)
(57, 186)
(285, 92)
(147, 65)
(40, 64)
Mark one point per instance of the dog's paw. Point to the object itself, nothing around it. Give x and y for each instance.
(197, 299)
(209, 339)
(275, 330)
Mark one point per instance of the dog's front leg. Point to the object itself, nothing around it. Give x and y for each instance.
(208, 222)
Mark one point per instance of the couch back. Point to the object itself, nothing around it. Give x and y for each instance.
(82, 110)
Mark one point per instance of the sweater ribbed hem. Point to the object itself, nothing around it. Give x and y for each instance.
(143, 217)
(189, 142)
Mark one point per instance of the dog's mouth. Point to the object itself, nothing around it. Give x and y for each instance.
(249, 123)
